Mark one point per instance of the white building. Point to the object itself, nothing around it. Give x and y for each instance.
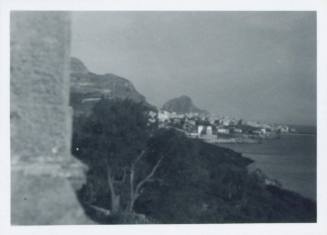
(237, 130)
(163, 116)
(226, 122)
(200, 129)
(221, 130)
(283, 129)
(209, 130)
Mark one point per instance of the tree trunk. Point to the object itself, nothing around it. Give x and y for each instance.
(131, 205)
(131, 202)
(115, 199)
(133, 198)
(115, 203)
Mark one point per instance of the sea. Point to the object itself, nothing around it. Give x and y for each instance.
(291, 159)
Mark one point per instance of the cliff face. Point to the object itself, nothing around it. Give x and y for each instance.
(87, 87)
(182, 104)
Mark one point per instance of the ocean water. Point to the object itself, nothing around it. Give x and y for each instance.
(291, 160)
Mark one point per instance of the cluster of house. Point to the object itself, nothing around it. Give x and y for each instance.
(211, 128)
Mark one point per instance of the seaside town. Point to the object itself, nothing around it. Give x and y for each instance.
(214, 129)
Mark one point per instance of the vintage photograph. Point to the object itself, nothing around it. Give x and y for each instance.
(163, 117)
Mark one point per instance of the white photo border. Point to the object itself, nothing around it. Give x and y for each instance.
(320, 6)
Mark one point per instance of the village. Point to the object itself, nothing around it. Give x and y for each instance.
(214, 129)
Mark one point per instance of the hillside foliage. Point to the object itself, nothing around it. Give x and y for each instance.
(190, 181)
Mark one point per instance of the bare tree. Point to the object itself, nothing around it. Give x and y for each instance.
(136, 189)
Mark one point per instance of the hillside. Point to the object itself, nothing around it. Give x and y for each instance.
(203, 183)
(88, 87)
(182, 104)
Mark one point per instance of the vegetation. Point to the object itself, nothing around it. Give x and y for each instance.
(141, 174)
(112, 141)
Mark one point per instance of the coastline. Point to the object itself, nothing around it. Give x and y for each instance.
(291, 160)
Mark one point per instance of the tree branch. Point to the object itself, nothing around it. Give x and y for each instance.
(110, 180)
(138, 158)
(148, 177)
(101, 210)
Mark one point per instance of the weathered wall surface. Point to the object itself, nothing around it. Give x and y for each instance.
(41, 121)
(40, 45)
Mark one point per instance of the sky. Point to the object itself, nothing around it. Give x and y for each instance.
(258, 66)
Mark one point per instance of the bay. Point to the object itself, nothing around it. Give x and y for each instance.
(291, 160)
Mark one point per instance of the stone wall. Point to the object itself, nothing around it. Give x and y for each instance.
(41, 121)
(40, 43)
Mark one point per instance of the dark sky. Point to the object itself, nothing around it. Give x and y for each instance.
(251, 65)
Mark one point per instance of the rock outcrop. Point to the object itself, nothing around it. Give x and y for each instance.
(181, 105)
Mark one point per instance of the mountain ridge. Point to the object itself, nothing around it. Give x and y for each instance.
(88, 87)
